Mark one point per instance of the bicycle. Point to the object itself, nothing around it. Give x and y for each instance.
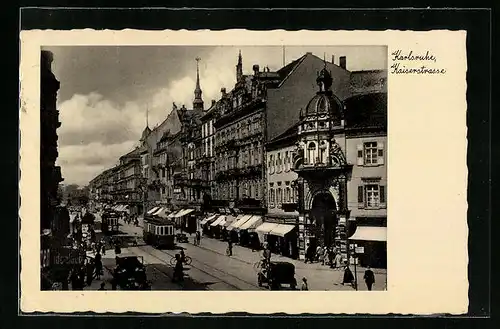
(187, 260)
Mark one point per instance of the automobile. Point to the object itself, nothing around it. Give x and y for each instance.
(130, 272)
(277, 273)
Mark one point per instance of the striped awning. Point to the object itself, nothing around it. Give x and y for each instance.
(218, 220)
(208, 219)
(253, 222)
(152, 210)
(183, 212)
(239, 222)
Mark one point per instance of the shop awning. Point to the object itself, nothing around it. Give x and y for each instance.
(228, 221)
(157, 211)
(265, 228)
(239, 222)
(370, 233)
(208, 219)
(162, 212)
(183, 212)
(253, 222)
(281, 229)
(152, 210)
(172, 214)
(218, 220)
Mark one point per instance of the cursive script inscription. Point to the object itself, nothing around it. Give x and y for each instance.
(413, 63)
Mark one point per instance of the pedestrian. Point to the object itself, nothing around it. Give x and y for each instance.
(103, 284)
(338, 260)
(90, 272)
(229, 247)
(74, 279)
(304, 284)
(81, 275)
(369, 278)
(104, 248)
(318, 253)
(331, 257)
(348, 276)
(325, 255)
(309, 253)
(98, 266)
(198, 237)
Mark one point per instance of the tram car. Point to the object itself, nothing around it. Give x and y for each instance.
(159, 232)
(109, 224)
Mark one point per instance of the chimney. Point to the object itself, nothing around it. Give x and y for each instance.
(223, 91)
(255, 69)
(333, 59)
(343, 62)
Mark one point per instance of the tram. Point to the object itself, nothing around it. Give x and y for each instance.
(109, 224)
(159, 232)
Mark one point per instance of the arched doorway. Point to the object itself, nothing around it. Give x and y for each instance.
(323, 214)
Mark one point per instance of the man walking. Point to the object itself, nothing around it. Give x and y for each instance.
(369, 278)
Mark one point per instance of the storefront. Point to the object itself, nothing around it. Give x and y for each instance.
(186, 220)
(248, 236)
(373, 241)
(281, 238)
(234, 228)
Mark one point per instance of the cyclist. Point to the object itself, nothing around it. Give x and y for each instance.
(183, 256)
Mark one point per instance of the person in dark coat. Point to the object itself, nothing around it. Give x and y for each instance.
(74, 280)
(369, 278)
(348, 276)
(103, 284)
(309, 253)
(98, 266)
(89, 267)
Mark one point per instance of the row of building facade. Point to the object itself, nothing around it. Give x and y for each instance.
(304, 146)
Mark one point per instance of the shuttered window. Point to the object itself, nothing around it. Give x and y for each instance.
(360, 157)
(383, 202)
(380, 153)
(361, 198)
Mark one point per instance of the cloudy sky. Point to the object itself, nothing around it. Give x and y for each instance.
(105, 91)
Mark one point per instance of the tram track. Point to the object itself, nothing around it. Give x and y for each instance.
(203, 270)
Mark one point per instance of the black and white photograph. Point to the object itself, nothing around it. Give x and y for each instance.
(214, 168)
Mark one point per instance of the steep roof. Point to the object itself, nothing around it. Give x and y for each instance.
(366, 111)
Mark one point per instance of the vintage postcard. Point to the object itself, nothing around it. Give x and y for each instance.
(242, 171)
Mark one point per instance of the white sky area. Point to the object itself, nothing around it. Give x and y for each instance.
(105, 91)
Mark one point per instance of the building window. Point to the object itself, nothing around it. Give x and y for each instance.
(279, 196)
(371, 153)
(311, 151)
(271, 164)
(287, 194)
(372, 196)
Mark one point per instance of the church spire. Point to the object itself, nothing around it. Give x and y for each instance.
(239, 68)
(198, 101)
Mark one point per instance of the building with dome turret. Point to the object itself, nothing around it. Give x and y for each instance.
(326, 174)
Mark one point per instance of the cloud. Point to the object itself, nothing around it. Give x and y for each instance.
(98, 127)
(81, 163)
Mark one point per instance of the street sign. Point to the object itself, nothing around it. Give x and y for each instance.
(360, 250)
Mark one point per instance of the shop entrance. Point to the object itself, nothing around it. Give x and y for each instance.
(323, 214)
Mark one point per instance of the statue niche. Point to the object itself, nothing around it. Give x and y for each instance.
(337, 157)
